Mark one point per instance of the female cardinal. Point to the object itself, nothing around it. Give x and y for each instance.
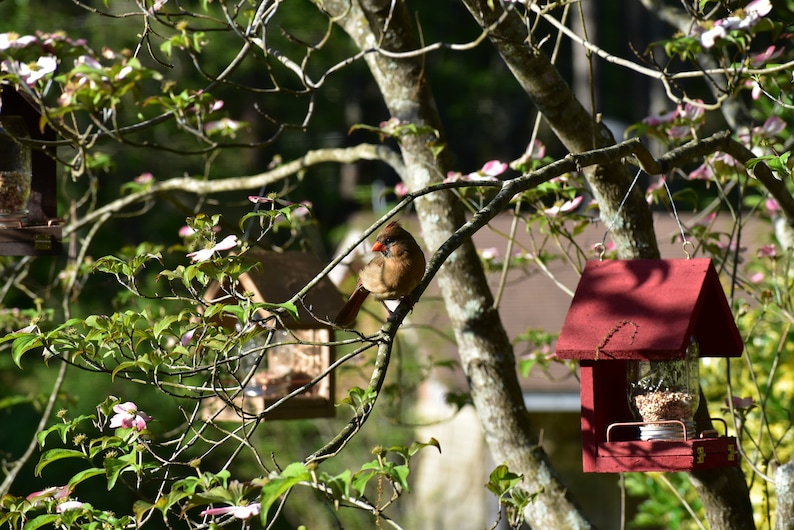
(392, 274)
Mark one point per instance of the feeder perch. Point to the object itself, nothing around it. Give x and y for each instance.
(638, 328)
(295, 354)
(29, 225)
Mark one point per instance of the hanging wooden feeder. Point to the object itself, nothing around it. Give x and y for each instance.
(296, 354)
(638, 327)
(29, 224)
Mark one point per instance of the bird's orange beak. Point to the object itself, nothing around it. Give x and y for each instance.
(378, 247)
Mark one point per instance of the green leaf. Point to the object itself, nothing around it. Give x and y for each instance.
(777, 163)
(41, 520)
(260, 214)
(281, 484)
(13, 400)
(56, 454)
(141, 508)
(502, 480)
(399, 474)
(360, 479)
(23, 343)
(84, 475)
(417, 446)
(142, 362)
(525, 366)
(115, 467)
(163, 324)
(338, 486)
(61, 428)
(111, 265)
(359, 397)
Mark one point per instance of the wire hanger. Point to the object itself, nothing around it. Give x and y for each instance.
(685, 246)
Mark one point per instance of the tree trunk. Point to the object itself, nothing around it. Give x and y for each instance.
(483, 345)
(725, 498)
(784, 486)
(632, 225)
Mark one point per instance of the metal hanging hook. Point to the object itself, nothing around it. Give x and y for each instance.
(687, 244)
(600, 249)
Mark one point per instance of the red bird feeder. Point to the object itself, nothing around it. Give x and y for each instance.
(638, 328)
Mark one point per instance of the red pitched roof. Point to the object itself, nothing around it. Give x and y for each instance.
(648, 309)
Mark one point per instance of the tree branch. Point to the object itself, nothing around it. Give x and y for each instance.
(347, 155)
(17, 465)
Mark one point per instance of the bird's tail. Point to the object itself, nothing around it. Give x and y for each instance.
(347, 315)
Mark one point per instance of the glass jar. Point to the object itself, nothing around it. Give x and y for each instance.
(251, 351)
(272, 378)
(665, 390)
(15, 168)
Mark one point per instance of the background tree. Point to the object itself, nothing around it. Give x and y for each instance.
(219, 90)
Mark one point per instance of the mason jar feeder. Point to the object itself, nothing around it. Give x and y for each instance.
(639, 328)
(664, 395)
(29, 225)
(15, 170)
(278, 362)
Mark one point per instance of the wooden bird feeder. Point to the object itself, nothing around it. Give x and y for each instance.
(630, 320)
(294, 355)
(29, 224)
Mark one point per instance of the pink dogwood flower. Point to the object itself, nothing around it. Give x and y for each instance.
(128, 416)
(242, 511)
(69, 505)
(760, 59)
(692, 112)
(757, 277)
(144, 178)
(679, 131)
(771, 127)
(767, 251)
(535, 151)
(702, 172)
(755, 89)
(14, 40)
(33, 72)
(53, 492)
(710, 37)
(490, 254)
(187, 337)
(567, 206)
(662, 117)
(455, 176)
(493, 168)
(741, 403)
(654, 187)
(204, 254)
(772, 206)
(752, 14)
(226, 125)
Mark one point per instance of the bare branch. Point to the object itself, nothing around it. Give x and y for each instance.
(204, 187)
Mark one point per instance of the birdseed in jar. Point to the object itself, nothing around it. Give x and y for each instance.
(14, 192)
(659, 406)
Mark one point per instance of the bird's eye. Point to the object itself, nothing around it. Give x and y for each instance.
(388, 241)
